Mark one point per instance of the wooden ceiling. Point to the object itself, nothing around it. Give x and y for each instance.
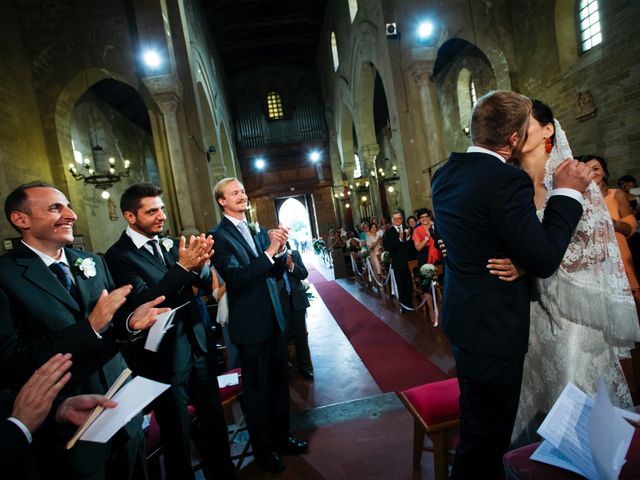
(259, 33)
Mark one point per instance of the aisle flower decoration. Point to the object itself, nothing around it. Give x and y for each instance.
(386, 257)
(428, 274)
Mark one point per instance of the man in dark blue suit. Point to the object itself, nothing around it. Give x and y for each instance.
(250, 261)
(64, 300)
(484, 210)
(163, 266)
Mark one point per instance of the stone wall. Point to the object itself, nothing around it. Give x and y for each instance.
(23, 154)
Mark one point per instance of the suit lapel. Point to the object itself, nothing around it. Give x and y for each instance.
(144, 253)
(83, 283)
(37, 273)
(237, 236)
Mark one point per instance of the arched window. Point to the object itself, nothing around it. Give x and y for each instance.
(334, 51)
(353, 9)
(274, 106)
(466, 96)
(589, 21)
(357, 169)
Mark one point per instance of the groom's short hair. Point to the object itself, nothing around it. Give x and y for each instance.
(496, 116)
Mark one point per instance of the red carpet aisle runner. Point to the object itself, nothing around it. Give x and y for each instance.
(394, 364)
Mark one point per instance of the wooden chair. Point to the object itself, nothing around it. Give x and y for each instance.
(417, 284)
(436, 412)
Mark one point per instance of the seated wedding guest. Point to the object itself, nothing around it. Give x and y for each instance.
(30, 408)
(251, 260)
(55, 299)
(157, 265)
(624, 223)
(374, 244)
(293, 297)
(395, 242)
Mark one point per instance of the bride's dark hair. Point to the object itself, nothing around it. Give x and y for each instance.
(543, 114)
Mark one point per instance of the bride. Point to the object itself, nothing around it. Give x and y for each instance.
(584, 318)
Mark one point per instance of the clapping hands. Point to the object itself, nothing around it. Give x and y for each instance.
(278, 238)
(194, 256)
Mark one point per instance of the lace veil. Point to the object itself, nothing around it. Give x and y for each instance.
(590, 287)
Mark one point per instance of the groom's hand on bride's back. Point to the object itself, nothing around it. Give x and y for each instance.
(572, 174)
(504, 269)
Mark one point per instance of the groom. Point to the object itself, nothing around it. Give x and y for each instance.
(485, 210)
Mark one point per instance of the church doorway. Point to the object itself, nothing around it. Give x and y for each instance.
(297, 213)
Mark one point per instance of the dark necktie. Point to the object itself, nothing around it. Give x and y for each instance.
(156, 250)
(287, 284)
(62, 273)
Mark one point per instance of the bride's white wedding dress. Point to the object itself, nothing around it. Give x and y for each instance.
(585, 318)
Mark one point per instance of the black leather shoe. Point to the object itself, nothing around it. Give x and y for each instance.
(271, 462)
(293, 447)
(308, 374)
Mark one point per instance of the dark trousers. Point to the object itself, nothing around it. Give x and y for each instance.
(405, 288)
(121, 458)
(297, 330)
(489, 395)
(193, 383)
(266, 391)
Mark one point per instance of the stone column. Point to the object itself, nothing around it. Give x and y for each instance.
(368, 155)
(421, 68)
(166, 91)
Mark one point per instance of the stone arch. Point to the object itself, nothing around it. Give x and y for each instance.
(495, 56)
(566, 33)
(209, 134)
(95, 207)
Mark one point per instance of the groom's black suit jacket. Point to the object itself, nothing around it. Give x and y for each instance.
(484, 209)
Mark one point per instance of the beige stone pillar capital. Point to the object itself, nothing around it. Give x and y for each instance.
(166, 91)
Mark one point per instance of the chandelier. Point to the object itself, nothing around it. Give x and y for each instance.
(102, 179)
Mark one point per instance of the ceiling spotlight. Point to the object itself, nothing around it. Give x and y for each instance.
(314, 156)
(347, 205)
(152, 59)
(390, 189)
(260, 164)
(105, 195)
(364, 198)
(425, 29)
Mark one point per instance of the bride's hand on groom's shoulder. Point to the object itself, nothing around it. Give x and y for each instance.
(504, 269)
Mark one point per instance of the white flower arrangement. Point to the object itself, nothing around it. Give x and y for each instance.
(428, 274)
(254, 227)
(87, 266)
(167, 243)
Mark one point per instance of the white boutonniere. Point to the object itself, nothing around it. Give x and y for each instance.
(255, 228)
(167, 243)
(87, 266)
